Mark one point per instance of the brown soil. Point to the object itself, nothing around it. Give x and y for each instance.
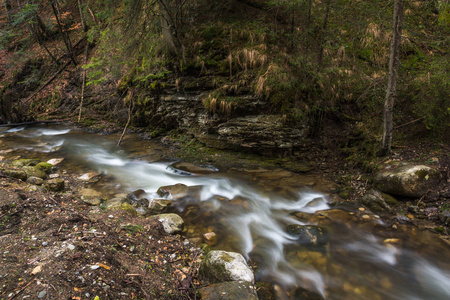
(54, 247)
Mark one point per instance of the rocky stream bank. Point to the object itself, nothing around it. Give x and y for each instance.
(59, 238)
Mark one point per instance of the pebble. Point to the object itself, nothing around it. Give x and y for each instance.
(44, 244)
(366, 217)
(111, 216)
(71, 247)
(42, 294)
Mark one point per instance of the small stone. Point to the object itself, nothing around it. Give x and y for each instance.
(71, 247)
(45, 244)
(54, 175)
(366, 217)
(55, 161)
(35, 180)
(211, 238)
(91, 177)
(361, 209)
(391, 241)
(55, 185)
(42, 294)
(111, 216)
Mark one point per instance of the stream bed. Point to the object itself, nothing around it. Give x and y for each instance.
(351, 257)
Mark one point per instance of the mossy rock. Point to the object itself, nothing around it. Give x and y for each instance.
(55, 185)
(44, 167)
(34, 172)
(265, 290)
(18, 174)
(129, 208)
(409, 180)
(115, 203)
(35, 180)
(25, 162)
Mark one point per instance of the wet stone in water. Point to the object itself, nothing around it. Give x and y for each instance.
(308, 234)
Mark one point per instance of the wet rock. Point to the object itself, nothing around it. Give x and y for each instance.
(218, 266)
(211, 238)
(377, 201)
(55, 161)
(55, 185)
(265, 134)
(308, 234)
(44, 167)
(136, 195)
(409, 180)
(333, 216)
(33, 171)
(172, 223)
(265, 291)
(18, 174)
(25, 162)
(231, 290)
(91, 177)
(176, 191)
(160, 205)
(188, 168)
(115, 203)
(35, 180)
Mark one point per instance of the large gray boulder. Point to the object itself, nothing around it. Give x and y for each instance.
(410, 180)
(218, 266)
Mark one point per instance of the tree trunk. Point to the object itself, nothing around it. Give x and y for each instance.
(8, 9)
(322, 35)
(169, 28)
(394, 62)
(64, 35)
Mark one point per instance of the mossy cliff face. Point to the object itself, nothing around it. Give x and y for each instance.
(409, 180)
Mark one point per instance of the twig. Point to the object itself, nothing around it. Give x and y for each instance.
(21, 290)
(413, 121)
(129, 118)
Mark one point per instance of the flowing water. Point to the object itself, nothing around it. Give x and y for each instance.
(249, 211)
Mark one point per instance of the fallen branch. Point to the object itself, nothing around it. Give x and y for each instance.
(21, 290)
(130, 109)
(413, 121)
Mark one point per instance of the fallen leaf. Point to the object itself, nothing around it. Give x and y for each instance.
(36, 270)
(104, 266)
(77, 289)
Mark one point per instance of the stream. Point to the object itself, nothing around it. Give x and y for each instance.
(249, 210)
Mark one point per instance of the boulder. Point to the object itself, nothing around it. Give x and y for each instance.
(115, 203)
(172, 223)
(33, 171)
(44, 167)
(35, 180)
(409, 180)
(25, 162)
(231, 290)
(177, 191)
(160, 205)
(218, 266)
(55, 185)
(18, 174)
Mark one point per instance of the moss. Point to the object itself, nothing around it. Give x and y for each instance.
(25, 162)
(422, 174)
(129, 208)
(44, 166)
(389, 199)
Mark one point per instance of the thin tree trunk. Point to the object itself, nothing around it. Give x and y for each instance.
(64, 35)
(8, 9)
(84, 79)
(394, 62)
(83, 23)
(322, 33)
